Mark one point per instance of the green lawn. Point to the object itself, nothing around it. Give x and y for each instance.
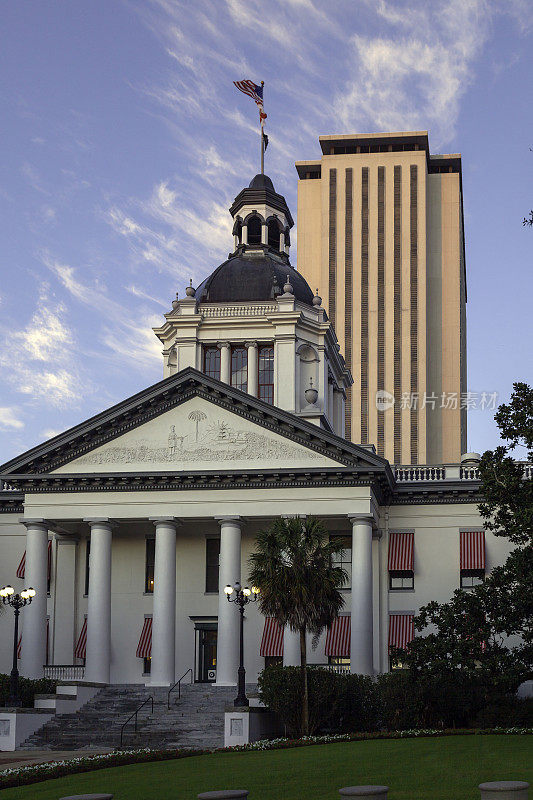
(447, 768)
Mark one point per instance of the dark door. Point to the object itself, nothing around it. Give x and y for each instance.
(207, 671)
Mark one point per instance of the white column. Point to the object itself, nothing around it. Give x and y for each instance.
(164, 614)
(228, 613)
(244, 236)
(291, 648)
(264, 234)
(252, 368)
(33, 655)
(64, 599)
(361, 650)
(97, 666)
(282, 242)
(225, 362)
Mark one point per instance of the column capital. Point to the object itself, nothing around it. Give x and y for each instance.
(355, 518)
(101, 522)
(236, 520)
(220, 345)
(251, 344)
(34, 523)
(175, 521)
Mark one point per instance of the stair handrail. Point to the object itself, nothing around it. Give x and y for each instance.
(178, 684)
(148, 700)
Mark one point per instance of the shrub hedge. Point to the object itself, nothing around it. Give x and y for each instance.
(27, 689)
(393, 701)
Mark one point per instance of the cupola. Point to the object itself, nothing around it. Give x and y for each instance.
(261, 219)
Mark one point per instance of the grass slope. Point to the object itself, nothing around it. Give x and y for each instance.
(449, 768)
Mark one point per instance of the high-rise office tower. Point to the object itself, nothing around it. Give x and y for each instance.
(380, 233)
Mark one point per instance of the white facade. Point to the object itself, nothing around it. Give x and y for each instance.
(194, 459)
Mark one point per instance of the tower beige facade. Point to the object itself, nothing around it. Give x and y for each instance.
(380, 233)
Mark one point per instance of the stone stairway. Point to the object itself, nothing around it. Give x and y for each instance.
(195, 721)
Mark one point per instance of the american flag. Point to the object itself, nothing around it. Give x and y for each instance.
(252, 90)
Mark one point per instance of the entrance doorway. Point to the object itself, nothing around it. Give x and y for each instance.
(206, 648)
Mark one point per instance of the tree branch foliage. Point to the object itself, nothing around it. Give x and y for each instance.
(482, 639)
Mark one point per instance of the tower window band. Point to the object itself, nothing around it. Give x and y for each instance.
(266, 373)
(239, 368)
(212, 362)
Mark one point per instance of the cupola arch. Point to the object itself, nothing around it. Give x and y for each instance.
(254, 224)
(274, 230)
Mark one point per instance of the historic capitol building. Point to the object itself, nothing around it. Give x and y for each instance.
(284, 392)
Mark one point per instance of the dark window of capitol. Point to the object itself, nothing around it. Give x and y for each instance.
(471, 578)
(344, 557)
(212, 556)
(401, 579)
(150, 564)
(212, 362)
(266, 373)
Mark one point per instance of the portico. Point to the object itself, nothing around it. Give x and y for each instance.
(110, 637)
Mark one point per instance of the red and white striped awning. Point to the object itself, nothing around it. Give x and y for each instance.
(272, 641)
(401, 630)
(401, 550)
(81, 647)
(21, 569)
(472, 549)
(144, 648)
(339, 637)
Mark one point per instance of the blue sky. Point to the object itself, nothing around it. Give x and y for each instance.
(124, 143)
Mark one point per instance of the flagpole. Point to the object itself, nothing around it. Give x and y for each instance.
(261, 135)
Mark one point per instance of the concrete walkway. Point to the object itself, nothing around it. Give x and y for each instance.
(24, 758)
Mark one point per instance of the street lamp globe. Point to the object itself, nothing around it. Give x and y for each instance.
(228, 590)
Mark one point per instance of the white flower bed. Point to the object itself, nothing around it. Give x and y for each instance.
(38, 772)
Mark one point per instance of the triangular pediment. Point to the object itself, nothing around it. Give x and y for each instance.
(188, 424)
(197, 435)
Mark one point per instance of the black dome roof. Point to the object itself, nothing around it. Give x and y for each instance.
(242, 278)
(261, 182)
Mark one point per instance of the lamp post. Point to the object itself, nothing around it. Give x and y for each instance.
(16, 601)
(242, 598)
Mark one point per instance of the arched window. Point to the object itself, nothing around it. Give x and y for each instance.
(254, 230)
(273, 233)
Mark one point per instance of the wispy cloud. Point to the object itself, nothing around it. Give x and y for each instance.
(39, 360)
(124, 335)
(10, 419)
(414, 74)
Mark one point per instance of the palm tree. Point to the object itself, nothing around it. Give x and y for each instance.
(299, 584)
(197, 416)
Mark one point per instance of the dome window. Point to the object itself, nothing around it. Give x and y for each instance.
(254, 230)
(273, 233)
